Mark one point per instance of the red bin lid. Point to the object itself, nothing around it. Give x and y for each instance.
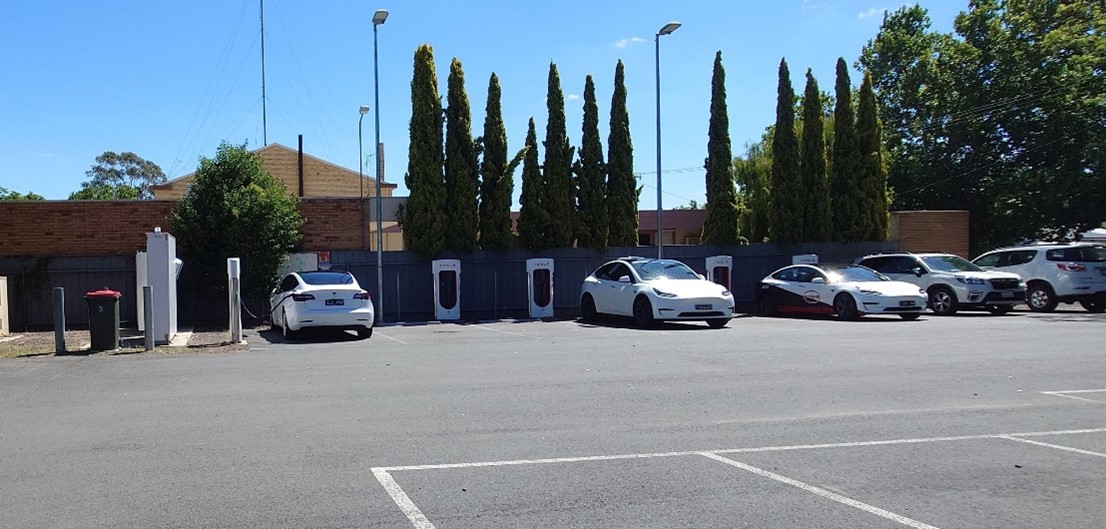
(103, 293)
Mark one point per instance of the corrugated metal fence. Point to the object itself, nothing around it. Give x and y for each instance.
(493, 284)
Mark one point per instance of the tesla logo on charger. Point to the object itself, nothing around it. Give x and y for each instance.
(811, 297)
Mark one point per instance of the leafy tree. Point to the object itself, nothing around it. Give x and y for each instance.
(235, 209)
(533, 216)
(591, 178)
(850, 211)
(497, 175)
(753, 172)
(785, 202)
(424, 227)
(873, 174)
(7, 194)
(117, 172)
(721, 224)
(692, 205)
(817, 218)
(622, 191)
(462, 180)
(105, 192)
(557, 169)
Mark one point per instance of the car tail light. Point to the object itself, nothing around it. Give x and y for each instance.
(302, 297)
(362, 295)
(1071, 267)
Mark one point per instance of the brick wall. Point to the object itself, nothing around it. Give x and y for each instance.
(931, 231)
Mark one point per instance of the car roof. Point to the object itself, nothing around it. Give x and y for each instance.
(1047, 246)
(910, 254)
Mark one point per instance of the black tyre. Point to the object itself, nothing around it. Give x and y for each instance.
(287, 333)
(766, 305)
(845, 307)
(1097, 306)
(999, 310)
(643, 313)
(587, 308)
(718, 323)
(365, 332)
(942, 301)
(1040, 297)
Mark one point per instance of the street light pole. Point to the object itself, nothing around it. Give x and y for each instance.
(668, 28)
(360, 174)
(378, 18)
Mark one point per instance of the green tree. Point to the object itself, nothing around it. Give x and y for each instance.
(114, 175)
(235, 209)
(753, 173)
(497, 183)
(424, 228)
(850, 210)
(557, 168)
(462, 180)
(7, 194)
(533, 216)
(817, 218)
(873, 174)
(721, 224)
(622, 190)
(786, 200)
(591, 178)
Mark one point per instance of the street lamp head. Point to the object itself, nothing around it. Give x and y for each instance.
(379, 17)
(364, 109)
(669, 28)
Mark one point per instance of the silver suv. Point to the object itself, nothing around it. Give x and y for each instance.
(952, 282)
(1055, 273)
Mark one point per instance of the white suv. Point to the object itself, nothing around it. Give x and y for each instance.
(1055, 273)
(952, 282)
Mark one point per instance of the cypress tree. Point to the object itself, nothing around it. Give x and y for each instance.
(721, 224)
(622, 192)
(850, 214)
(461, 177)
(497, 183)
(561, 194)
(873, 173)
(785, 202)
(533, 217)
(423, 217)
(817, 218)
(591, 178)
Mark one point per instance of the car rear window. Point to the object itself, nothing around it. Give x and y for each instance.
(327, 278)
(1084, 254)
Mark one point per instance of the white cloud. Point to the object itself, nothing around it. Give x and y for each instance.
(871, 12)
(570, 97)
(622, 43)
(808, 6)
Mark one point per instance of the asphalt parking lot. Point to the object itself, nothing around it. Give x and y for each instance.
(966, 421)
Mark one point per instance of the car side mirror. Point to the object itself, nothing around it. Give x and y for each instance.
(818, 280)
(624, 279)
(918, 271)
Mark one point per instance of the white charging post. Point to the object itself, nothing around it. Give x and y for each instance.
(234, 294)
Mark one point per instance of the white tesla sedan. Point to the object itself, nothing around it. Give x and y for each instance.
(849, 292)
(653, 290)
(325, 300)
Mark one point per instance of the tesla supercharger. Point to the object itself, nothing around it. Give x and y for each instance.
(807, 258)
(719, 268)
(162, 269)
(447, 289)
(539, 279)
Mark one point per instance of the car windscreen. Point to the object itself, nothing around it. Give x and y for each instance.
(327, 278)
(663, 269)
(840, 274)
(950, 263)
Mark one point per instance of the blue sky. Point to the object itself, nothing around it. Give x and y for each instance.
(171, 80)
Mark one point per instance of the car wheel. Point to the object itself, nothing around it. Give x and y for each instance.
(643, 313)
(1040, 297)
(942, 301)
(910, 317)
(587, 308)
(845, 307)
(287, 333)
(365, 332)
(718, 323)
(1097, 306)
(999, 310)
(767, 306)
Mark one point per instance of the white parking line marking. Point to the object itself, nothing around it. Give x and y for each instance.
(822, 492)
(1067, 394)
(402, 500)
(378, 333)
(483, 328)
(534, 461)
(1058, 447)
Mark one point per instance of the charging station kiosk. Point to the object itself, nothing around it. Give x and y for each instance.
(719, 268)
(539, 279)
(806, 258)
(447, 288)
(159, 268)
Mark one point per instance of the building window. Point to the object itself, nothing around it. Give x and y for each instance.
(644, 239)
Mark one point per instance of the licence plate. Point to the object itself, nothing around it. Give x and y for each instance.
(332, 302)
(907, 303)
(703, 307)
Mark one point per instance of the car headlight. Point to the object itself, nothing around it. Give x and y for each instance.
(970, 280)
(868, 292)
(662, 293)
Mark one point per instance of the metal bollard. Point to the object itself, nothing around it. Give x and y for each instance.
(59, 320)
(148, 315)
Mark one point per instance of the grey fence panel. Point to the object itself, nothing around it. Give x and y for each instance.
(31, 282)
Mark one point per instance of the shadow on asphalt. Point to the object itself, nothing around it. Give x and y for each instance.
(311, 336)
